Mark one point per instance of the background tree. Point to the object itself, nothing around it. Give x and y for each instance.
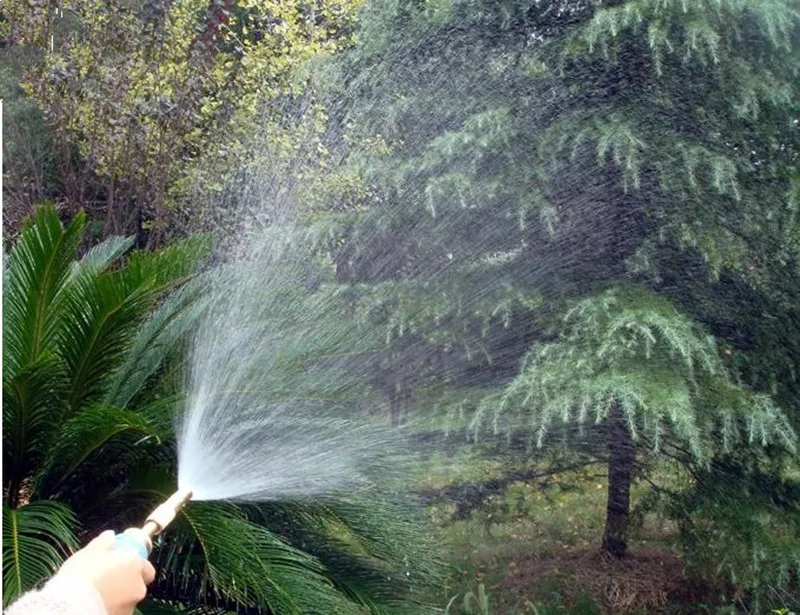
(526, 155)
(652, 379)
(566, 166)
(138, 93)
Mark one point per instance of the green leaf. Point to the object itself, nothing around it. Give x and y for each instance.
(172, 265)
(102, 255)
(100, 319)
(85, 435)
(154, 340)
(32, 410)
(164, 607)
(38, 269)
(245, 563)
(36, 539)
(367, 544)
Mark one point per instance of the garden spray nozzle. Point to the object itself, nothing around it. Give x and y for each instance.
(162, 516)
(140, 540)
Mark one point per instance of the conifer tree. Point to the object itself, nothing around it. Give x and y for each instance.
(524, 156)
(654, 380)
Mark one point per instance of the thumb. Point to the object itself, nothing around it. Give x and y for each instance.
(103, 542)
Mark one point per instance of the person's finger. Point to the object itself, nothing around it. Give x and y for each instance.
(102, 542)
(148, 572)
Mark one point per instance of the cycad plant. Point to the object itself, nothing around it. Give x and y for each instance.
(76, 339)
(629, 362)
(90, 356)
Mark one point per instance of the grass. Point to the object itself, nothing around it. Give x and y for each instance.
(499, 547)
(480, 603)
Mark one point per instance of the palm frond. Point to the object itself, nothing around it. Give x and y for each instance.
(160, 413)
(102, 313)
(32, 411)
(102, 255)
(39, 267)
(171, 607)
(172, 265)
(245, 564)
(371, 546)
(110, 341)
(86, 434)
(154, 340)
(36, 539)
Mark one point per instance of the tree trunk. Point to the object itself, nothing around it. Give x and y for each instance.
(111, 213)
(620, 471)
(157, 230)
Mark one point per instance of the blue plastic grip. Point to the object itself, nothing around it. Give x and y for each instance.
(127, 542)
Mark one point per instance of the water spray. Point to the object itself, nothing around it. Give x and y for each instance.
(140, 539)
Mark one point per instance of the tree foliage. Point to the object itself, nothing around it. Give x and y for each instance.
(630, 347)
(141, 92)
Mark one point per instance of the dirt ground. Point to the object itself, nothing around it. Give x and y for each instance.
(645, 581)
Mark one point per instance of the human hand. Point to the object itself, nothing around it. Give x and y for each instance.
(120, 577)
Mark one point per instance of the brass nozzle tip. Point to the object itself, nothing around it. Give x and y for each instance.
(180, 498)
(162, 516)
